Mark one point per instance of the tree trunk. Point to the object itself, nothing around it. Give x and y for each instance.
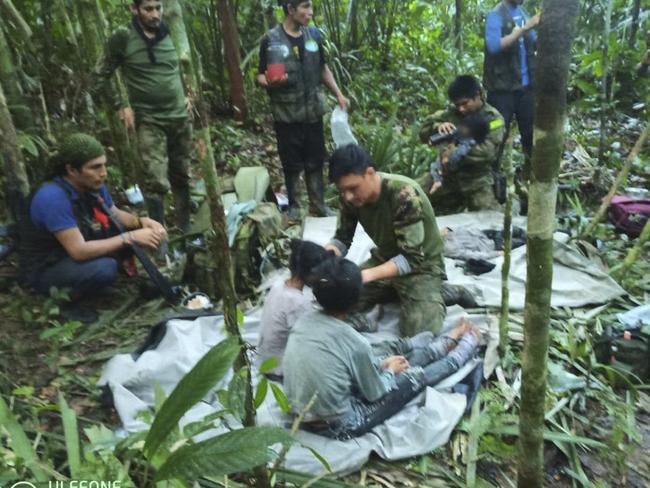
(633, 253)
(22, 115)
(352, 22)
(620, 179)
(218, 241)
(556, 33)
(69, 26)
(233, 62)
(13, 15)
(634, 27)
(218, 50)
(458, 25)
(507, 247)
(17, 183)
(605, 100)
(91, 31)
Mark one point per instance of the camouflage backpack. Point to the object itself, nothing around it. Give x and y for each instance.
(259, 229)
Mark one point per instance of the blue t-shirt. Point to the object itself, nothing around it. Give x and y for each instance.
(51, 206)
(493, 37)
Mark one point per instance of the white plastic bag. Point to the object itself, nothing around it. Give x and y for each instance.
(341, 131)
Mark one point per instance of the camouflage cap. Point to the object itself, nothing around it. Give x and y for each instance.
(77, 149)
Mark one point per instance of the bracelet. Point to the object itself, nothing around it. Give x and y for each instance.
(124, 239)
(138, 222)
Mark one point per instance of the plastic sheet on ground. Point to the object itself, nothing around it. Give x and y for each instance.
(577, 280)
(425, 424)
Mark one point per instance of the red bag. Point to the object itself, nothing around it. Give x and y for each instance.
(629, 215)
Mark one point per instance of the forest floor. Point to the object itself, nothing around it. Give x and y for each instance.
(40, 357)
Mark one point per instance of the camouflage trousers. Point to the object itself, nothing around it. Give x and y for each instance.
(164, 149)
(419, 295)
(461, 193)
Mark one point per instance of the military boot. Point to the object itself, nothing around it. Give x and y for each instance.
(291, 182)
(457, 295)
(316, 193)
(183, 205)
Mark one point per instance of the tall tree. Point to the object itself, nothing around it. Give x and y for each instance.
(17, 183)
(509, 173)
(11, 84)
(233, 60)
(556, 33)
(352, 22)
(634, 26)
(605, 78)
(458, 25)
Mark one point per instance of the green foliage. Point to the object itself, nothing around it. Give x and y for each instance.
(192, 388)
(225, 454)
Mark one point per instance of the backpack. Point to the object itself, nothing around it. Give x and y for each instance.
(259, 229)
(628, 350)
(628, 214)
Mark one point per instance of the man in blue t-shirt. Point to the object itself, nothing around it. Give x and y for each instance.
(509, 68)
(67, 240)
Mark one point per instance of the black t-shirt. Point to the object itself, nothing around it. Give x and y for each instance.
(297, 46)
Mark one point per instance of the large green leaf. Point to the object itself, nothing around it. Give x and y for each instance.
(20, 443)
(234, 452)
(192, 388)
(71, 436)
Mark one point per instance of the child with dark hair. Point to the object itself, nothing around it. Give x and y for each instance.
(472, 130)
(354, 388)
(286, 301)
(469, 184)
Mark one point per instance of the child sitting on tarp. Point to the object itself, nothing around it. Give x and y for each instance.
(353, 389)
(287, 301)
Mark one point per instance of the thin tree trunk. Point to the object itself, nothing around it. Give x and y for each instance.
(17, 183)
(67, 22)
(620, 179)
(218, 242)
(507, 247)
(604, 109)
(218, 50)
(556, 33)
(91, 31)
(458, 25)
(8, 73)
(633, 253)
(12, 13)
(634, 27)
(352, 22)
(233, 61)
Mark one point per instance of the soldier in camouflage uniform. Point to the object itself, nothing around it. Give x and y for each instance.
(159, 109)
(406, 264)
(471, 187)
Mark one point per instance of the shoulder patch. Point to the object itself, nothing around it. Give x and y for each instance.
(497, 124)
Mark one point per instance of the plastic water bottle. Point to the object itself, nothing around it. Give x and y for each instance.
(341, 131)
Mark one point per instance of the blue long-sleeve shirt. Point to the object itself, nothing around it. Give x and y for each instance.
(493, 37)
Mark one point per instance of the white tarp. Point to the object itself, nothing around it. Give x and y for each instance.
(577, 280)
(421, 427)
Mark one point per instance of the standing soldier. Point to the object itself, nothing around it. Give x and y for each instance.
(158, 108)
(297, 100)
(508, 70)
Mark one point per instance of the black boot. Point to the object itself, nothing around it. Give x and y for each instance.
(456, 294)
(183, 205)
(291, 182)
(316, 193)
